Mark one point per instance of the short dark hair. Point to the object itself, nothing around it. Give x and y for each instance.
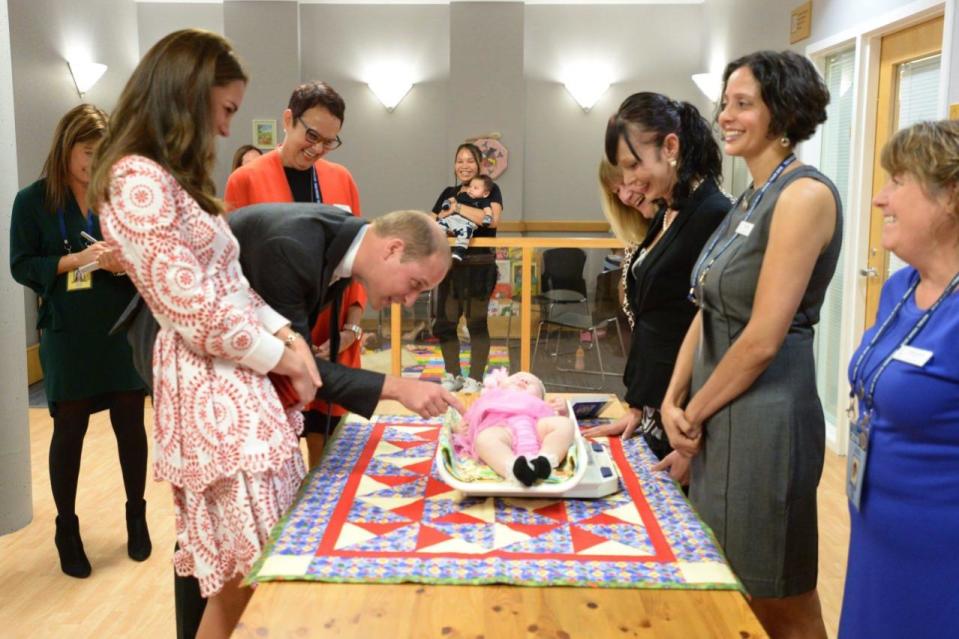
(316, 94)
(485, 179)
(792, 89)
(699, 155)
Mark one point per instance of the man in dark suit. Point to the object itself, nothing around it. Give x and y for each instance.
(299, 258)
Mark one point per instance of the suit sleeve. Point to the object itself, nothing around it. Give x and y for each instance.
(28, 264)
(355, 389)
(274, 273)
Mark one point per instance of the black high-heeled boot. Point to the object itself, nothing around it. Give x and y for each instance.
(139, 546)
(73, 561)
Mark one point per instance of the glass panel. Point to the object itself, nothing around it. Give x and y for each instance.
(834, 162)
(579, 334)
(918, 98)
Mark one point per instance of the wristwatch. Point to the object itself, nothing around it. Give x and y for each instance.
(355, 329)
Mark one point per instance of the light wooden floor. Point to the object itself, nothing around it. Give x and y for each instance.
(123, 598)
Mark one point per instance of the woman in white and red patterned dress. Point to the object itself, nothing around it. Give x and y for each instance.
(222, 438)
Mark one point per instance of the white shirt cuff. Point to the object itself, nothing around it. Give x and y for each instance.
(265, 354)
(270, 319)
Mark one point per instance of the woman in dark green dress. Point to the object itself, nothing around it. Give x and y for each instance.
(85, 369)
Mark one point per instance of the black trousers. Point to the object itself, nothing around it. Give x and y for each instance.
(189, 604)
(465, 291)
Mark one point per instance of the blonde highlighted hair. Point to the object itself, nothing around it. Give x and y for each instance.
(165, 114)
(628, 224)
(930, 152)
(81, 124)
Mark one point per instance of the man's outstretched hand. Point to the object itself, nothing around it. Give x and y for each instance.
(426, 399)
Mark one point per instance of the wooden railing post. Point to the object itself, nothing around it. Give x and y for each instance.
(396, 339)
(525, 312)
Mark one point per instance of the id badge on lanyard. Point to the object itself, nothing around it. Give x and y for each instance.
(858, 456)
(76, 279)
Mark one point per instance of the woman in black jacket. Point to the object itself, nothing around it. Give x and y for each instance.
(670, 161)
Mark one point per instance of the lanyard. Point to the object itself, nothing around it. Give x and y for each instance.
(700, 270)
(63, 227)
(317, 196)
(859, 385)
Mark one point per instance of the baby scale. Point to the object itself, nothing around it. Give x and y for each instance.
(595, 476)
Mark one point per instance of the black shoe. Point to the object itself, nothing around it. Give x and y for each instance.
(523, 472)
(73, 561)
(541, 467)
(138, 537)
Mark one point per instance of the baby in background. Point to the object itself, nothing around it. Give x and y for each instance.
(513, 430)
(476, 195)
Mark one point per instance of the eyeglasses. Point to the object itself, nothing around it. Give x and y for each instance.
(313, 137)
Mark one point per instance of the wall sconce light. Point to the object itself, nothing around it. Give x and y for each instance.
(390, 86)
(85, 74)
(711, 84)
(586, 89)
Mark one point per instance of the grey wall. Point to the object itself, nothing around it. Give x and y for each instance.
(157, 20)
(487, 88)
(399, 159)
(43, 33)
(645, 51)
(266, 36)
(16, 508)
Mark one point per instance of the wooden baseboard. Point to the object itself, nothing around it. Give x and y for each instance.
(34, 370)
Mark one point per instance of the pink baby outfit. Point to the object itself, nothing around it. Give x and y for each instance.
(515, 410)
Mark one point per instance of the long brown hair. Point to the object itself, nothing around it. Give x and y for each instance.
(81, 124)
(164, 113)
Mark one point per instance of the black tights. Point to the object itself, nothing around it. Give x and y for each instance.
(465, 291)
(70, 420)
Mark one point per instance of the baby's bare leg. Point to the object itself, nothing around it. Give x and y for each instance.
(556, 433)
(494, 446)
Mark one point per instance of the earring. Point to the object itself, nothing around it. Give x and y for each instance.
(784, 141)
(672, 163)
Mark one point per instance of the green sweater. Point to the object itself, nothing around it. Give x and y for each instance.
(79, 359)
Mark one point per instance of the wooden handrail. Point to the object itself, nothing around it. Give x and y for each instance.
(554, 226)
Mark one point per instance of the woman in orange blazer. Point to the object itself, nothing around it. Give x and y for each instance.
(297, 172)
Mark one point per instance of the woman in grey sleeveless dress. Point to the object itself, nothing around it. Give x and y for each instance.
(753, 424)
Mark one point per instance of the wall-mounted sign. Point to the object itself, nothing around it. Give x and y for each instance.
(800, 22)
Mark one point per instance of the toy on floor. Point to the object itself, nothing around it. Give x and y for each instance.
(513, 430)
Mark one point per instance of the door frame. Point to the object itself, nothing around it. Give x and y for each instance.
(866, 38)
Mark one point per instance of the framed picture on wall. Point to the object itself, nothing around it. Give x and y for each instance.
(264, 134)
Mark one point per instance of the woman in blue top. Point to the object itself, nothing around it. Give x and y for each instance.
(903, 565)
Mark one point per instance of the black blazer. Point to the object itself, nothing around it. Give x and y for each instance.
(658, 294)
(288, 253)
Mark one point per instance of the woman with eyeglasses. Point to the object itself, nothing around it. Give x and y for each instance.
(743, 401)
(298, 172)
(466, 289)
(670, 169)
(85, 370)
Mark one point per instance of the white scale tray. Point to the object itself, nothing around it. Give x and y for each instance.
(596, 475)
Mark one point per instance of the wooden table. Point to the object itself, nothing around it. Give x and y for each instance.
(373, 611)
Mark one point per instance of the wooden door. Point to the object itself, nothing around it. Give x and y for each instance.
(905, 55)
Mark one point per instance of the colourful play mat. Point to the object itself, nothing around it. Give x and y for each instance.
(375, 511)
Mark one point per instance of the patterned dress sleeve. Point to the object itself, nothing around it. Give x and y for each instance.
(160, 232)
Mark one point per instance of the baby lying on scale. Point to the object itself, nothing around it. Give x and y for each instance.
(513, 430)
